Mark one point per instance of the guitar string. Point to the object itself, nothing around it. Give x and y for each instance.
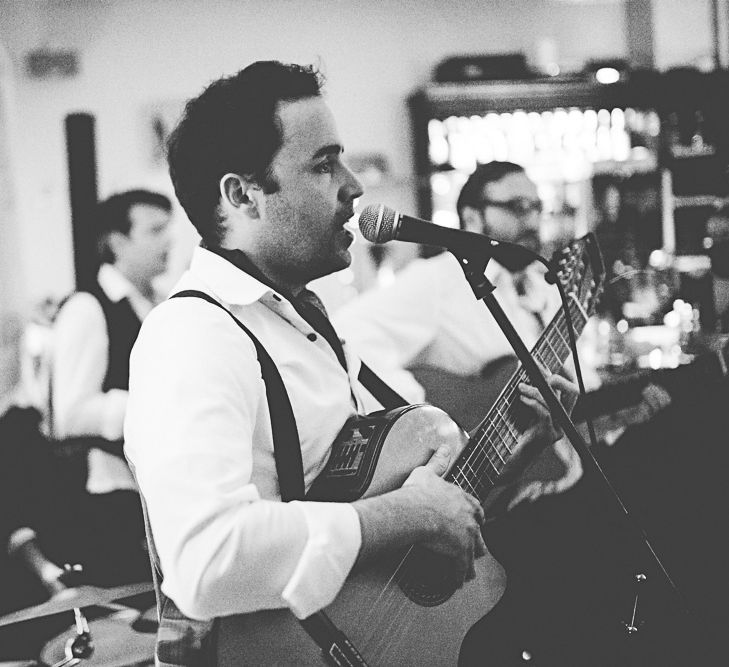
(541, 349)
(480, 457)
(393, 598)
(387, 599)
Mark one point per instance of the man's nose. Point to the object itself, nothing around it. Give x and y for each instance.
(351, 187)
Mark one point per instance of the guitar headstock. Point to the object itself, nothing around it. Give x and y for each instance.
(581, 270)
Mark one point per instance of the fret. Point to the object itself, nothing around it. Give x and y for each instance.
(580, 310)
(548, 358)
(481, 461)
(470, 469)
(488, 452)
(468, 484)
(538, 356)
(480, 470)
(563, 339)
(506, 423)
(495, 447)
(493, 465)
(555, 361)
(488, 449)
(480, 489)
(473, 477)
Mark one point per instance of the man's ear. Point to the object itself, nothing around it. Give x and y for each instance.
(238, 192)
(472, 220)
(115, 241)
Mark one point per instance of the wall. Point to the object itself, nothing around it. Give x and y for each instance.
(136, 53)
(683, 33)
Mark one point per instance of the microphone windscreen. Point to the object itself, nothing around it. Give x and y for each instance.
(377, 223)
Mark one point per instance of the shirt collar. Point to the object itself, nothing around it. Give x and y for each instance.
(114, 284)
(227, 281)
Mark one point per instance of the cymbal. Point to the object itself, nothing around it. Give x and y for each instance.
(116, 643)
(81, 596)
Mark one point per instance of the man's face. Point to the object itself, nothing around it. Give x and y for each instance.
(512, 210)
(305, 237)
(143, 252)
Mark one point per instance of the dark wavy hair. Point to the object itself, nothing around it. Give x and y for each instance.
(232, 126)
(472, 191)
(112, 215)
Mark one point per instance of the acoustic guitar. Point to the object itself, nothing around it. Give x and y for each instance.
(409, 609)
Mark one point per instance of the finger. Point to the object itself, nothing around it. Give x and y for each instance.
(471, 570)
(440, 460)
(478, 513)
(471, 574)
(531, 391)
(568, 391)
(480, 549)
(462, 570)
(538, 406)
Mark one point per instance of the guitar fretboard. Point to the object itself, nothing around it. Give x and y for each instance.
(493, 441)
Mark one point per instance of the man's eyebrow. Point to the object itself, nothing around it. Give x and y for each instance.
(329, 149)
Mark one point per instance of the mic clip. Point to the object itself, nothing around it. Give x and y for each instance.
(474, 265)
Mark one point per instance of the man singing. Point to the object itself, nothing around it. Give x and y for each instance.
(257, 164)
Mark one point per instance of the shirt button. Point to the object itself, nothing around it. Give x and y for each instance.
(312, 337)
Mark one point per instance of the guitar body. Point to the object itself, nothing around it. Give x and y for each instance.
(409, 615)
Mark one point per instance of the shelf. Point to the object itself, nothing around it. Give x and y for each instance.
(679, 152)
(625, 168)
(691, 263)
(692, 201)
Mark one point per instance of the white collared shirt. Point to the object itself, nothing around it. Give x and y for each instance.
(198, 436)
(79, 364)
(429, 316)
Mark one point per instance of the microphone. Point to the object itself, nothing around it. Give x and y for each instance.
(380, 224)
(23, 545)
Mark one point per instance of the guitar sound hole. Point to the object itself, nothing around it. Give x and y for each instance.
(427, 578)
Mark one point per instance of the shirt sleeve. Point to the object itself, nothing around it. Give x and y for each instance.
(196, 407)
(79, 364)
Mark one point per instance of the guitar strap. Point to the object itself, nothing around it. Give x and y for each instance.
(189, 642)
(310, 307)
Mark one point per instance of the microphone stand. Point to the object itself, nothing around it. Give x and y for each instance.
(474, 268)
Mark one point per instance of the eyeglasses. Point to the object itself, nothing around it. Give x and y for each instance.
(519, 206)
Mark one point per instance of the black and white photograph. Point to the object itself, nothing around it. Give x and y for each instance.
(364, 334)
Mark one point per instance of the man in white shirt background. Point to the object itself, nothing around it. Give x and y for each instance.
(429, 322)
(257, 164)
(92, 338)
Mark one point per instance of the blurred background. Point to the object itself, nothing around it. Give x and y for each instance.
(616, 109)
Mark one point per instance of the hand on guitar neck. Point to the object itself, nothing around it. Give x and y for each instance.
(542, 432)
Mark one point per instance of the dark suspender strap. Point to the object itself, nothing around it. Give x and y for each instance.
(290, 471)
(382, 391)
(286, 443)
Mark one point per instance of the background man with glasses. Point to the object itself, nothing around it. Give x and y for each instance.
(428, 321)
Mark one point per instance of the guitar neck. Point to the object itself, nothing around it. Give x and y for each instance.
(493, 441)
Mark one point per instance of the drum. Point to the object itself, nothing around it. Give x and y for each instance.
(116, 643)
